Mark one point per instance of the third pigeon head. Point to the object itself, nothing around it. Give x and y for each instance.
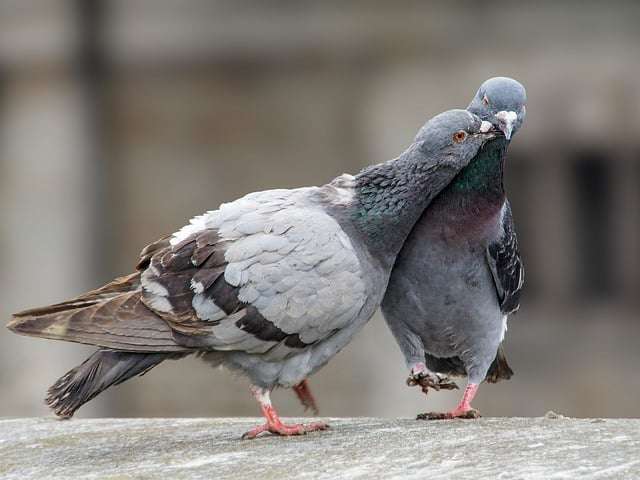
(501, 101)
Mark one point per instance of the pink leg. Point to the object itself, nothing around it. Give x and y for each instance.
(273, 423)
(465, 403)
(463, 410)
(306, 397)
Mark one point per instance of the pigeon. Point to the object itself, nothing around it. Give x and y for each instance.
(459, 274)
(271, 285)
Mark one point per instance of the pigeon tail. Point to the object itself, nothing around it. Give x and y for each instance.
(97, 373)
(499, 369)
(112, 317)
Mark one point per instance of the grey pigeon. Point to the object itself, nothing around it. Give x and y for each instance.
(272, 285)
(459, 274)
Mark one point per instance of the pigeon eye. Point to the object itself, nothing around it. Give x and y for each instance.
(485, 101)
(459, 136)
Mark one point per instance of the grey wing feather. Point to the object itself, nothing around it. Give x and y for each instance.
(269, 273)
(506, 266)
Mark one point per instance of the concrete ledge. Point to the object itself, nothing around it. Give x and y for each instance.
(507, 448)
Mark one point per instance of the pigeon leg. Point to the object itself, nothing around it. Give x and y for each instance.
(273, 423)
(421, 375)
(306, 397)
(463, 410)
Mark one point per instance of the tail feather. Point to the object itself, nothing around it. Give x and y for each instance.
(499, 369)
(117, 287)
(97, 373)
(112, 317)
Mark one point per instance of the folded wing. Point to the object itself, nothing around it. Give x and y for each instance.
(111, 317)
(270, 273)
(506, 267)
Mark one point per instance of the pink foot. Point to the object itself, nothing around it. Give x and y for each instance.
(463, 410)
(273, 423)
(285, 430)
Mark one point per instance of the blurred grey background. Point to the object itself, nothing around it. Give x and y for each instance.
(120, 120)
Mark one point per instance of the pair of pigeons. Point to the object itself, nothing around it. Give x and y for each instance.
(274, 284)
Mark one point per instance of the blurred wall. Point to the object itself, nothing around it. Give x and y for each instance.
(119, 120)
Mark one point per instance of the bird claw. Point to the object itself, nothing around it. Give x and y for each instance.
(427, 380)
(467, 414)
(445, 383)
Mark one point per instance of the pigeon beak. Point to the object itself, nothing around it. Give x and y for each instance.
(506, 120)
(485, 127)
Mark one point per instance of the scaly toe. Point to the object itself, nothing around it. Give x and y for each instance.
(315, 427)
(432, 416)
(289, 430)
(254, 432)
(284, 430)
(415, 378)
(469, 414)
(445, 383)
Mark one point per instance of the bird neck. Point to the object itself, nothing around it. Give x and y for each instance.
(484, 174)
(390, 198)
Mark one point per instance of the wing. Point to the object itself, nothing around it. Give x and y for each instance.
(506, 267)
(112, 316)
(270, 273)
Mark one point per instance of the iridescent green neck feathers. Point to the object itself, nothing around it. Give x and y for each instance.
(484, 173)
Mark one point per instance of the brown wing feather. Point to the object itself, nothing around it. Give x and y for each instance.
(113, 289)
(112, 316)
(193, 271)
(129, 314)
(116, 316)
(198, 258)
(150, 250)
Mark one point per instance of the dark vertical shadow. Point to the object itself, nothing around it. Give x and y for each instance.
(92, 71)
(518, 187)
(593, 229)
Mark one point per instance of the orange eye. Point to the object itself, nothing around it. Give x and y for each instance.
(459, 136)
(485, 101)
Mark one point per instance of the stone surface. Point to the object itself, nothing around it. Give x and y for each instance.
(553, 447)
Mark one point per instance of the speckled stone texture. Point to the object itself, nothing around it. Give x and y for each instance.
(553, 447)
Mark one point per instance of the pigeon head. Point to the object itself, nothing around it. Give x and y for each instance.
(390, 196)
(458, 133)
(501, 101)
